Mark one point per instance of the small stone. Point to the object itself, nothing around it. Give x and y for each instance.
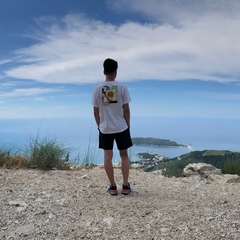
(20, 209)
(21, 205)
(40, 200)
(50, 216)
(18, 203)
(210, 218)
(164, 230)
(108, 220)
(25, 229)
(86, 177)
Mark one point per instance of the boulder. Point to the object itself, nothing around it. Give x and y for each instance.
(202, 170)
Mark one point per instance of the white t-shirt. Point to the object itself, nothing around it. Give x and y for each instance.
(109, 97)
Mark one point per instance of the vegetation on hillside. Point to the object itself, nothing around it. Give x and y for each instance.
(228, 162)
(155, 142)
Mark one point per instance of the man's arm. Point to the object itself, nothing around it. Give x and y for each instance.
(96, 115)
(126, 113)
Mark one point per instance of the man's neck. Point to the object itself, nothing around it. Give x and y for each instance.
(110, 78)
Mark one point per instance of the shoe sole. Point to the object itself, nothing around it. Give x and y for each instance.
(112, 192)
(126, 192)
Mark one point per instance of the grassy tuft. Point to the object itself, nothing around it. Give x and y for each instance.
(45, 154)
(12, 160)
(48, 154)
(4, 156)
(88, 161)
(17, 162)
(89, 158)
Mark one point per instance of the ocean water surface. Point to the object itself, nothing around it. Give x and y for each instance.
(81, 135)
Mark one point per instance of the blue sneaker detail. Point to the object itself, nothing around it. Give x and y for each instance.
(126, 189)
(112, 190)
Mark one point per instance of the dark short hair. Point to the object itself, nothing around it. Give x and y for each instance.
(110, 66)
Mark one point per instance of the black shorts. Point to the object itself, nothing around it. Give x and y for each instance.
(123, 140)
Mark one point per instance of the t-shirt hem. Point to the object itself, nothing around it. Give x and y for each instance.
(111, 132)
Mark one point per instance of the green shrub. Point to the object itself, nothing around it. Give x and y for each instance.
(231, 167)
(228, 162)
(48, 154)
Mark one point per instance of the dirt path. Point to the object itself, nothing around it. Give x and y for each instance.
(74, 205)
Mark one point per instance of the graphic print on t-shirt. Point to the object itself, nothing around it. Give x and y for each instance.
(109, 95)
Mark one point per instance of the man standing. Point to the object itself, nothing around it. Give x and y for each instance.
(112, 114)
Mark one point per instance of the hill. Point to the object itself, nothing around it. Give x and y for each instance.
(227, 161)
(156, 142)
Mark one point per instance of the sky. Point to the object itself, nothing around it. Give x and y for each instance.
(178, 58)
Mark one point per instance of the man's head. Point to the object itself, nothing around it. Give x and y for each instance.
(109, 66)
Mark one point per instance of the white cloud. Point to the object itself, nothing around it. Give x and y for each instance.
(204, 47)
(20, 92)
(176, 11)
(8, 84)
(4, 61)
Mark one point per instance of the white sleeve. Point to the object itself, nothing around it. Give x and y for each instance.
(95, 101)
(126, 96)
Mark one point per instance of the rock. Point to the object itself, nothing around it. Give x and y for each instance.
(25, 229)
(201, 169)
(21, 205)
(234, 180)
(18, 203)
(108, 220)
(197, 178)
(86, 177)
(50, 215)
(55, 209)
(164, 230)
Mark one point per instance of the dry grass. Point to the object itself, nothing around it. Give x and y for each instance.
(17, 162)
(45, 154)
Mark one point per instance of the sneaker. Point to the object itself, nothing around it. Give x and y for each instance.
(126, 189)
(112, 190)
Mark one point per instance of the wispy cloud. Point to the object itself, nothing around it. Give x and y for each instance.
(4, 61)
(185, 40)
(26, 92)
(176, 12)
(219, 95)
(8, 84)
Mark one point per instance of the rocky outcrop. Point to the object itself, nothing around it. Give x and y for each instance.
(200, 169)
(203, 171)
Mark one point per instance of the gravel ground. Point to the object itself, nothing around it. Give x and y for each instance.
(37, 204)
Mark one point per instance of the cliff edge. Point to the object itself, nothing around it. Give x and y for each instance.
(37, 204)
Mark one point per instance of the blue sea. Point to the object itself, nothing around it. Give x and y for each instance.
(80, 135)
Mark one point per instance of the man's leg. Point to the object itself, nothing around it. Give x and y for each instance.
(108, 154)
(125, 165)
